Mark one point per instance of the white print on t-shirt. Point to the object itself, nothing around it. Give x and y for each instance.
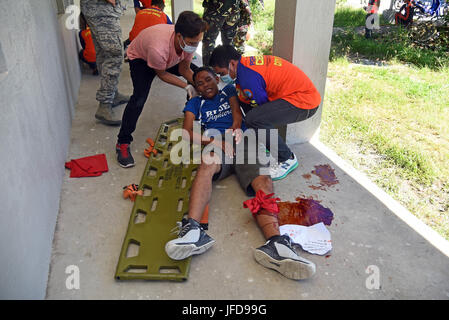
(223, 110)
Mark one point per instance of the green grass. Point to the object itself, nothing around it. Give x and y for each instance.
(263, 25)
(393, 46)
(346, 16)
(349, 17)
(391, 123)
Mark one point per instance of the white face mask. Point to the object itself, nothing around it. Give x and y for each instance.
(187, 48)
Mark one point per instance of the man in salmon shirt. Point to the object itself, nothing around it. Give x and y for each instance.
(165, 51)
(273, 92)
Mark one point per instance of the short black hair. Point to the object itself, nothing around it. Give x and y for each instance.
(189, 24)
(222, 55)
(200, 69)
(158, 3)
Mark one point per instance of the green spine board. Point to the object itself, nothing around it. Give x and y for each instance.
(156, 230)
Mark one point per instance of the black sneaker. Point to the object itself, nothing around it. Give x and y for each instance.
(124, 157)
(278, 254)
(192, 239)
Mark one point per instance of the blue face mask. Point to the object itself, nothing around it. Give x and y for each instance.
(227, 78)
(187, 48)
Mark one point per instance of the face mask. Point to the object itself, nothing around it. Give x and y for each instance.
(187, 48)
(227, 78)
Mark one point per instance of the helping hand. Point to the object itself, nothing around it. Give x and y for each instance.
(237, 133)
(191, 92)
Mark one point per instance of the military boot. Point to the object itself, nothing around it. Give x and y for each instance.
(106, 115)
(119, 99)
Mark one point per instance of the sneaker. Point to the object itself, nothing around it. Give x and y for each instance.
(278, 254)
(281, 170)
(192, 239)
(124, 157)
(119, 99)
(106, 115)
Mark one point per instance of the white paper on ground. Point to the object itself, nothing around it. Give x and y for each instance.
(315, 239)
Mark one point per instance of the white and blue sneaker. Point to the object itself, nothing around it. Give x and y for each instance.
(192, 239)
(282, 169)
(278, 254)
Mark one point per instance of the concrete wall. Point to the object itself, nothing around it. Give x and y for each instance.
(304, 38)
(179, 6)
(37, 96)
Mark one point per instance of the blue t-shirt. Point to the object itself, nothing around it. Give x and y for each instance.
(215, 113)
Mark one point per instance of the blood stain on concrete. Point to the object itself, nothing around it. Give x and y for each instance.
(327, 177)
(326, 174)
(307, 176)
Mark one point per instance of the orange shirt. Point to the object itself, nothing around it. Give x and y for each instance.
(89, 51)
(267, 78)
(146, 18)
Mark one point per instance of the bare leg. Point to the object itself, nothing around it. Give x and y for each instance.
(267, 221)
(202, 189)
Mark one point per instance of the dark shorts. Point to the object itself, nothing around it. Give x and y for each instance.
(247, 171)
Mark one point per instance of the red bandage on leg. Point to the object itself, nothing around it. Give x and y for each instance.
(262, 201)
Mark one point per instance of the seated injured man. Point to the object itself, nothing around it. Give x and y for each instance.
(219, 110)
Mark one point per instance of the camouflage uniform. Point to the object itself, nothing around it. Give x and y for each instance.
(104, 22)
(222, 16)
(243, 26)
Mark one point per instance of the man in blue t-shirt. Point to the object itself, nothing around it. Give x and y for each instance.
(220, 110)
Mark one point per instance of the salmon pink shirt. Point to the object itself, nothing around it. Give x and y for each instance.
(156, 46)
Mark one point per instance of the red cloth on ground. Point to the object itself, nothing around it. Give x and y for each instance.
(262, 201)
(91, 166)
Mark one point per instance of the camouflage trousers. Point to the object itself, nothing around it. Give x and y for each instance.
(104, 22)
(240, 38)
(227, 25)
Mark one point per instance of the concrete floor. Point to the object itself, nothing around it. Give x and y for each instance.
(93, 219)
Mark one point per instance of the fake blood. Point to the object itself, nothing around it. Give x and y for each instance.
(305, 212)
(326, 175)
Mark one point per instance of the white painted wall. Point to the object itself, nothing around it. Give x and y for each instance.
(37, 98)
(179, 6)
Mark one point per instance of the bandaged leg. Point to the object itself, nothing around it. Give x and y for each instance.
(264, 207)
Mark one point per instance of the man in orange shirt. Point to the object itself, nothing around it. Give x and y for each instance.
(148, 17)
(273, 92)
(142, 4)
(87, 54)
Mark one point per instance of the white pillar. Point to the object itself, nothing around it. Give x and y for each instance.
(302, 35)
(178, 6)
